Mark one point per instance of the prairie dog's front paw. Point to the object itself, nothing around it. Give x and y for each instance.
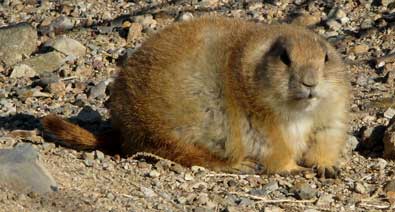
(295, 171)
(325, 166)
(289, 169)
(327, 171)
(247, 166)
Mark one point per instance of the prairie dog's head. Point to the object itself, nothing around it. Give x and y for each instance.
(296, 72)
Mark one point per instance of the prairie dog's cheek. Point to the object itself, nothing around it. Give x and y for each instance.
(323, 89)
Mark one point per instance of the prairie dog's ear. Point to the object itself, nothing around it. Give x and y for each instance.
(280, 49)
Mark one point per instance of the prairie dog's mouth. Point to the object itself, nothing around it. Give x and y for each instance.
(304, 104)
(305, 94)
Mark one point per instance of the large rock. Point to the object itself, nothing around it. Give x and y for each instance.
(47, 62)
(22, 71)
(15, 41)
(21, 170)
(68, 46)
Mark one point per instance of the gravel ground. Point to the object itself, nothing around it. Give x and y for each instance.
(68, 56)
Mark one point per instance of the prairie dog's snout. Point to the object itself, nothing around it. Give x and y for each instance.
(305, 85)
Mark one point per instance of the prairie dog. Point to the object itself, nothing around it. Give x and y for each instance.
(229, 95)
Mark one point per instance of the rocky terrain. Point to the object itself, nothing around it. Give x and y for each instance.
(60, 56)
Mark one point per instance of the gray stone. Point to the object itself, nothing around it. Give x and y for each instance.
(176, 168)
(22, 71)
(21, 170)
(195, 169)
(99, 155)
(367, 23)
(16, 41)
(366, 3)
(88, 156)
(381, 164)
(88, 163)
(324, 200)
(333, 24)
(339, 14)
(336, 13)
(362, 80)
(182, 200)
(266, 189)
(100, 89)
(389, 113)
(352, 143)
(385, 3)
(110, 196)
(48, 78)
(48, 146)
(185, 16)
(154, 174)
(245, 201)
(360, 188)
(188, 177)
(304, 191)
(68, 46)
(146, 20)
(148, 192)
(344, 20)
(45, 62)
(60, 24)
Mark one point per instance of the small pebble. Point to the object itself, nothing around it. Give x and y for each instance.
(324, 200)
(188, 177)
(360, 49)
(88, 162)
(154, 174)
(148, 192)
(185, 16)
(266, 189)
(360, 188)
(176, 168)
(88, 155)
(333, 24)
(273, 209)
(99, 155)
(389, 113)
(304, 191)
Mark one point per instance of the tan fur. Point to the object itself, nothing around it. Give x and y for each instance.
(221, 93)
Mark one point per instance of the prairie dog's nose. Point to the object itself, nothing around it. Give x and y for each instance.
(310, 79)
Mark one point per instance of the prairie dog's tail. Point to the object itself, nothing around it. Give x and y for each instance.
(72, 134)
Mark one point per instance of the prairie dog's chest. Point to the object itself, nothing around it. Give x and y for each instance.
(296, 133)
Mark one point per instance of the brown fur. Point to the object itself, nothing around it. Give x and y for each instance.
(229, 94)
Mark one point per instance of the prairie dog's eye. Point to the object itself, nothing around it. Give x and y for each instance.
(326, 57)
(285, 58)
